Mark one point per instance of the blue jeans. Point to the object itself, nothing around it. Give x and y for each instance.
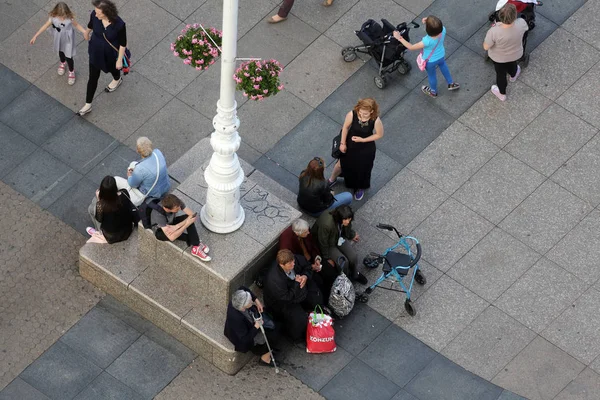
(340, 199)
(431, 75)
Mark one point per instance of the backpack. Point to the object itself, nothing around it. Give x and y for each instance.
(145, 211)
(341, 299)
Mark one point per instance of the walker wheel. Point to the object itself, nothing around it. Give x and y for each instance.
(409, 308)
(369, 290)
(420, 278)
(380, 81)
(349, 54)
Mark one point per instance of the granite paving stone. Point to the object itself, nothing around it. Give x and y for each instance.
(114, 164)
(124, 313)
(493, 265)
(545, 217)
(35, 115)
(61, 372)
(579, 251)
(179, 8)
(358, 381)
(540, 371)
(168, 342)
(415, 6)
(411, 126)
(444, 380)
(356, 331)
(576, 329)
(106, 387)
(583, 23)
(19, 389)
(585, 387)
(548, 74)
(596, 364)
(14, 150)
(490, 342)
(501, 121)
(72, 206)
(559, 12)
(453, 157)
(13, 85)
(574, 98)
(323, 70)
(453, 12)
(100, 337)
(275, 188)
(544, 146)
(508, 395)
(540, 295)
(449, 233)
(13, 14)
(146, 367)
(397, 355)
(319, 17)
(404, 395)
(42, 178)
(442, 313)
(498, 187)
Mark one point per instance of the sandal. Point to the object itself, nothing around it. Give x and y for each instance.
(108, 89)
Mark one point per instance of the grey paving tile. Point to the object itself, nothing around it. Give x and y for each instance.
(100, 337)
(404, 395)
(283, 112)
(438, 233)
(71, 207)
(585, 387)
(160, 66)
(359, 381)
(540, 371)
(548, 74)
(453, 13)
(356, 331)
(543, 144)
(444, 380)
(276, 172)
(13, 85)
(14, 150)
(490, 342)
(179, 8)
(311, 137)
(314, 370)
(493, 265)
(579, 251)
(397, 355)
(545, 217)
(60, 373)
(324, 68)
(409, 116)
(319, 17)
(106, 387)
(498, 187)
(114, 164)
(508, 395)
(248, 153)
(274, 188)
(342, 31)
(415, 6)
(596, 365)
(443, 312)
(474, 75)
(574, 99)
(582, 23)
(576, 329)
(35, 115)
(540, 295)
(559, 12)
(42, 178)
(358, 86)
(167, 341)
(19, 389)
(184, 125)
(146, 367)
(13, 14)
(124, 313)
(451, 159)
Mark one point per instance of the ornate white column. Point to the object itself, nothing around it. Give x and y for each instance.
(222, 212)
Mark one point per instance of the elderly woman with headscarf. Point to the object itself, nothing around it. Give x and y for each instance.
(243, 331)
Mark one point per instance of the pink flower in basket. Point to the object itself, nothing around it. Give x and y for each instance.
(256, 87)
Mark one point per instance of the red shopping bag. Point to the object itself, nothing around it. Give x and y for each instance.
(320, 335)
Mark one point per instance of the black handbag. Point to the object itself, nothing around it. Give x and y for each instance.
(335, 146)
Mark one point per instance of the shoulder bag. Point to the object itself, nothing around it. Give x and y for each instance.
(423, 63)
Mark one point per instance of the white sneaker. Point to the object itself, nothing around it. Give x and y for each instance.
(71, 80)
(61, 69)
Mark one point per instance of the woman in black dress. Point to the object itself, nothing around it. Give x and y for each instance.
(107, 46)
(362, 127)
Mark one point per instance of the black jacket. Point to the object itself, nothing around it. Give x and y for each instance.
(315, 197)
(238, 329)
(280, 291)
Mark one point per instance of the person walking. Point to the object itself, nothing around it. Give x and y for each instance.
(504, 44)
(63, 21)
(107, 47)
(362, 127)
(433, 54)
(314, 195)
(285, 9)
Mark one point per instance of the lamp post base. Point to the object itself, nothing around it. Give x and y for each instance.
(222, 226)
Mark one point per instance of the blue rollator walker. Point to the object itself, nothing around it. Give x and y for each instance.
(397, 265)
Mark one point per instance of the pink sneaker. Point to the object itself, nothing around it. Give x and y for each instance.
(197, 251)
(71, 80)
(514, 78)
(497, 93)
(90, 231)
(61, 69)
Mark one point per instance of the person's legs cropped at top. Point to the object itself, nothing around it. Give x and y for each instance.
(431, 75)
(445, 71)
(93, 81)
(285, 8)
(64, 59)
(502, 69)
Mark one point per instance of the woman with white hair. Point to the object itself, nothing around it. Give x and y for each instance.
(147, 178)
(243, 331)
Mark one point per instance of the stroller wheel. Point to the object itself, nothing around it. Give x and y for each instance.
(349, 54)
(380, 81)
(409, 308)
(404, 68)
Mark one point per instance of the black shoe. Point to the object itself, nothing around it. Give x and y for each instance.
(361, 279)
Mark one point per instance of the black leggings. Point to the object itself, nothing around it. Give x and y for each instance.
(190, 237)
(92, 84)
(502, 69)
(69, 61)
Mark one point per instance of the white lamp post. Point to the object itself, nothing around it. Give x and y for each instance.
(222, 212)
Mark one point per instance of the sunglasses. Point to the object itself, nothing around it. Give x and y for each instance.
(318, 159)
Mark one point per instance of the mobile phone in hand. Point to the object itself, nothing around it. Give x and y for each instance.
(194, 215)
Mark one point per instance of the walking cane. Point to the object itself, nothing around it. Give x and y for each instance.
(262, 329)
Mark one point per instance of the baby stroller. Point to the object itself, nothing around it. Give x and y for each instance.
(526, 10)
(398, 265)
(381, 45)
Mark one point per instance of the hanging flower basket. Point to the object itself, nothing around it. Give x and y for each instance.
(197, 46)
(258, 79)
